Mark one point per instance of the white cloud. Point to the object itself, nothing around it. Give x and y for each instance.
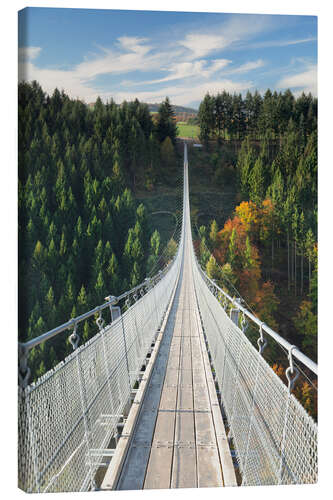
(189, 69)
(249, 66)
(134, 44)
(133, 54)
(306, 81)
(218, 64)
(28, 53)
(202, 44)
(49, 79)
(237, 28)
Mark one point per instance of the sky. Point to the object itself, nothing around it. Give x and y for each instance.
(149, 55)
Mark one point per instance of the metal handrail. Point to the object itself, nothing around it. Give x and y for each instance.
(111, 300)
(280, 340)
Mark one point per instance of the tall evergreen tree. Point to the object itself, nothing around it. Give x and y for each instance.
(166, 123)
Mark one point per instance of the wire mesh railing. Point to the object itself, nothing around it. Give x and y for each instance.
(275, 439)
(68, 416)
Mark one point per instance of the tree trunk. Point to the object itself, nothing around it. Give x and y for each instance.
(288, 260)
(309, 276)
(291, 262)
(302, 271)
(272, 255)
(295, 271)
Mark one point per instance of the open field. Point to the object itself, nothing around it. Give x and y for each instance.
(185, 130)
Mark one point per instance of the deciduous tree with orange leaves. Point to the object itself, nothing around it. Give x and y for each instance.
(247, 212)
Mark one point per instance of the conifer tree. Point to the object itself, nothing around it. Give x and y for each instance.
(213, 233)
(206, 118)
(232, 249)
(166, 124)
(256, 180)
(212, 268)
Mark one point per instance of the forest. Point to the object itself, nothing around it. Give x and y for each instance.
(267, 249)
(82, 235)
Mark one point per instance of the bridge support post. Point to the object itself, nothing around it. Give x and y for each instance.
(24, 370)
(234, 313)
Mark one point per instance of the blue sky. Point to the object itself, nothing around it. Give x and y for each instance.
(148, 55)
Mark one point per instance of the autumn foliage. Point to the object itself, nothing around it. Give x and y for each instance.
(237, 245)
(237, 260)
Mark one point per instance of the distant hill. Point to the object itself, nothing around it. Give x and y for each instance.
(177, 109)
(153, 108)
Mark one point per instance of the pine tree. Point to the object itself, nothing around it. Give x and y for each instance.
(232, 249)
(82, 301)
(213, 233)
(212, 268)
(206, 119)
(63, 245)
(310, 253)
(168, 157)
(257, 186)
(112, 276)
(248, 262)
(166, 124)
(155, 241)
(100, 290)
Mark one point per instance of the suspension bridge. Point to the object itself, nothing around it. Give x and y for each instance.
(169, 393)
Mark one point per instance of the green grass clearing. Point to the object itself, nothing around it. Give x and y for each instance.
(185, 130)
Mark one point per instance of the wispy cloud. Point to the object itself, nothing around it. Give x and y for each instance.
(280, 43)
(246, 67)
(305, 81)
(188, 69)
(222, 36)
(129, 54)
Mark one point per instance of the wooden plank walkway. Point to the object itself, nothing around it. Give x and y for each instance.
(177, 437)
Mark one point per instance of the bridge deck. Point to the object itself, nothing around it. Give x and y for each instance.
(178, 439)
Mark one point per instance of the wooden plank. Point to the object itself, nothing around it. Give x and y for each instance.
(158, 472)
(185, 397)
(159, 467)
(168, 398)
(184, 432)
(228, 471)
(171, 377)
(160, 460)
(208, 463)
(184, 467)
(209, 468)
